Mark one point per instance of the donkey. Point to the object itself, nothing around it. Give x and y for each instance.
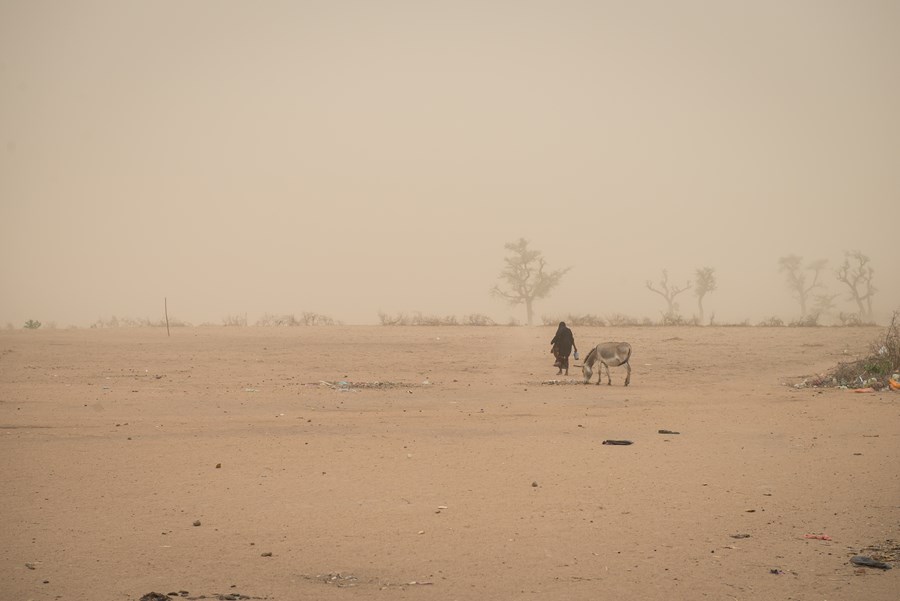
(607, 354)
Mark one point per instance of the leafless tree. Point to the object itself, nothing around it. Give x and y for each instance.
(856, 273)
(526, 277)
(706, 283)
(798, 280)
(668, 292)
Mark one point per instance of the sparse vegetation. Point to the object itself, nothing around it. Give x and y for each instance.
(419, 319)
(810, 321)
(237, 320)
(129, 322)
(307, 318)
(620, 320)
(586, 320)
(771, 322)
(32, 324)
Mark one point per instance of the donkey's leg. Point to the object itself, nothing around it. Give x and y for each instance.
(608, 378)
(628, 376)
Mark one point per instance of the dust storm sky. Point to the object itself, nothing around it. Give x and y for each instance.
(351, 157)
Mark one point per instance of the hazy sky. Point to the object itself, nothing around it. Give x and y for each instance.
(351, 157)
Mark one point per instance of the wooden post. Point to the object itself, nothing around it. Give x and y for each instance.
(166, 307)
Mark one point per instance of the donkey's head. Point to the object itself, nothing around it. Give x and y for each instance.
(587, 371)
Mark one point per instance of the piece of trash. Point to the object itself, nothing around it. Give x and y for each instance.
(196, 522)
(266, 554)
(534, 484)
(740, 536)
(817, 536)
(862, 560)
(30, 566)
(866, 389)
(617, 442)
(668, 432)
(775, 571)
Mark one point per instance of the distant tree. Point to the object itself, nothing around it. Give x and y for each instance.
(798, 280)
(668, 292)
(857, 274)
(32, 324)
(706, 283)
(526, 277)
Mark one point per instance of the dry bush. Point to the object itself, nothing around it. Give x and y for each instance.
(131, 322)
(771, 322)
(393, 320)
(586, 320)
(619, 320)
(810, 321)
(419, 319)
(477, 319)
(317, 319)
(673, 319)
(874, 369)
(235, 320)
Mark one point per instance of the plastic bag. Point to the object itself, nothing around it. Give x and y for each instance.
(576, 355)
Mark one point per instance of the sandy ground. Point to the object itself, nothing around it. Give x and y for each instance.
(467, 476)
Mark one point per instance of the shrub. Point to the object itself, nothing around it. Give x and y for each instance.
(235, 320)
(619, 320)
(772, 322)
(477, 319)
(810, 321)
(32, 324)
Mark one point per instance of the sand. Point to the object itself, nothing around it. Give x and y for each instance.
(446, 466)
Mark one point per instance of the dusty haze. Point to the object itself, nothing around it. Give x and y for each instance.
(356, 157)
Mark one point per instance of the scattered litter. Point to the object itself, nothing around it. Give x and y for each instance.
(866, 389)
(617, 442)
(817, 536)
(668, 432)
(345, 385)
(862, 560)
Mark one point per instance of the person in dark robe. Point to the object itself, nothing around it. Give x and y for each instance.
(561, 347)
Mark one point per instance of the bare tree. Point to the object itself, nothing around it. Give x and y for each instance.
(797, 279)
(857, 274)
(526, 277)
(668, 292)
(706, 283)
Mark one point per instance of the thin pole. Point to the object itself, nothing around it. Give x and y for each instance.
(166, 306)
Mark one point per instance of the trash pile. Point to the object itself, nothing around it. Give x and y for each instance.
(880, 370)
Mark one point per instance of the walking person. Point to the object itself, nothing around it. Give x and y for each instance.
(562, 345)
